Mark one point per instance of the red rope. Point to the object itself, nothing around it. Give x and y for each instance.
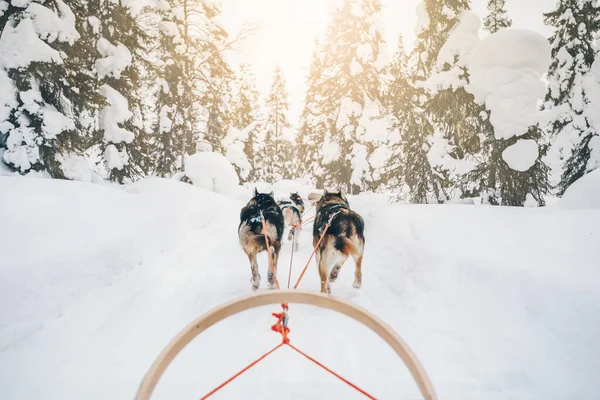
(333, 373)
(311, 256)
(292, 257)
(252, 364)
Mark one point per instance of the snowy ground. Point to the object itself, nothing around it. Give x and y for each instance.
(498, 303)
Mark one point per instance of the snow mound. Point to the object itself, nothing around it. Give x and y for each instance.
(522, 155)
(212, 171)
(584, 193)
(506, 70)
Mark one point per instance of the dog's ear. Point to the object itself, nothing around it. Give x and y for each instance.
(255, 191)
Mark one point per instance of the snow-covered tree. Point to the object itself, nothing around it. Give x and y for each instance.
(349, 85)
(450, 107)
(313, 123)
(246, 115)
(497, 18)
(577, 25)
(278, 152)
(122, 46)
(49, 98)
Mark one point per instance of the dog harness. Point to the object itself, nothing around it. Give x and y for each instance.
(327, 213)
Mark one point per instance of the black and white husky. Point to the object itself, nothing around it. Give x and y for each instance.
(252, 235)
(292, 209)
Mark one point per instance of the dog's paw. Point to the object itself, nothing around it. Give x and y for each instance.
(335, 271)
(357, 285)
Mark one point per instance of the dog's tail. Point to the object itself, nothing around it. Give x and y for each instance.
(350, 246)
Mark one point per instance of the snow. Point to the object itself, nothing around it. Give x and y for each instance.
(54, 122)
(423, 19)
(75, 167)
(115, 113)
(51, 26)
(95, 23)
(506, 70)
(234, 144)
(115, 59)
(8, 100)
(522, 155)
(20, 46)
(584, 193)
(115, 159)
(99, 279)
(463, 37)
(20, 3)
(211, 171)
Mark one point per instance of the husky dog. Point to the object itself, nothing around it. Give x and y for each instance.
(252, 237)
(292, 216)
(344, 238)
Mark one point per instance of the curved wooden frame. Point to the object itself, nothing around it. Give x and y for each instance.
(276, 297)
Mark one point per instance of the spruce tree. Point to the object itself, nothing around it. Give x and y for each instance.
(51, 119)
(278, 149)
(577, 25)
(497, 18)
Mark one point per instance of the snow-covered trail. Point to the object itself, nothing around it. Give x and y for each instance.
(496, 303)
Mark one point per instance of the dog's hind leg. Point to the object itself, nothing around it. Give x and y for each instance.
(335, 271)
(297, 238)
(255, 274)
(358, 271)
(274, 254)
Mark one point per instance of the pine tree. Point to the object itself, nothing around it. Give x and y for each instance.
(577, 25)
(246, 115)
(51, 119)
(278, 149)
(122, 44)
(497, 18)
(349, 83)
(174, 100)
(313, 124)
(396, 101)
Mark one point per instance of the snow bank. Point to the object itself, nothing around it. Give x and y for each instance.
(522, 155)
(506, 70)
(90, 267)
(584, 193)
(211, 171)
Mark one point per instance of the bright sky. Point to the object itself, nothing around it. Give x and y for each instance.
(290, 27)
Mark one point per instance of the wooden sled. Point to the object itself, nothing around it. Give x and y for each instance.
(277, 297)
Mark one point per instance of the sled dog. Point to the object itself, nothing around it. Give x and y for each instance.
(252, 237)
(344, 238)
(292, 209)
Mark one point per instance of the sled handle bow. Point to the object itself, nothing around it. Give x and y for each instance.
(277, 297)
